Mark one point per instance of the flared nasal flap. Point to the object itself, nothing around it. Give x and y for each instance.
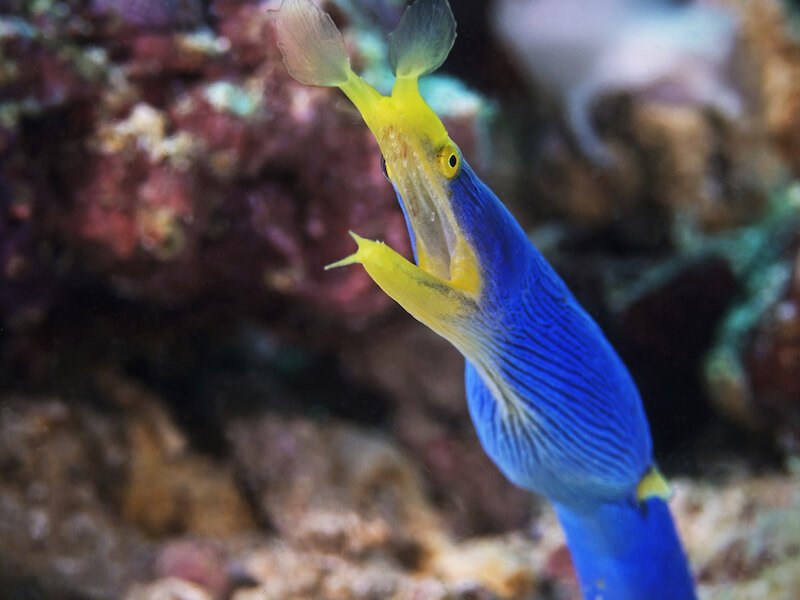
(423, 39)
(313, 48)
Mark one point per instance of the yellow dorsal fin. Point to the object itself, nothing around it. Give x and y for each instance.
(653, 485)
(312, 47)
(423, 39)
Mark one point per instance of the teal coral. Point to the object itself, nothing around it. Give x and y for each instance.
(761, 256)
(241, 101)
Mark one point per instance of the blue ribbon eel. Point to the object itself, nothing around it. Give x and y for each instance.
(552, 403)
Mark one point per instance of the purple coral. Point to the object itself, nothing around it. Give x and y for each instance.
(188, 166)
(153, 14)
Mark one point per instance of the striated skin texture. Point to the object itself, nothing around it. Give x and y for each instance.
(552, 403)
(558, 412)
(588, 437)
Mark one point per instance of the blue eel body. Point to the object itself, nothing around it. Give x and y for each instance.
(552, 403)
(581, 438)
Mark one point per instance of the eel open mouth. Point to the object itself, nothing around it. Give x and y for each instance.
(421, 159)
(425, 201)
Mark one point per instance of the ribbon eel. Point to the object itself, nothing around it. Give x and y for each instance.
(552, 403)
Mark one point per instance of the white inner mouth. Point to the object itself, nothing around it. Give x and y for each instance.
(427, 205)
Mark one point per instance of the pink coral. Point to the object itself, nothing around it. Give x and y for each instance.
(189, 165)
(152, 13)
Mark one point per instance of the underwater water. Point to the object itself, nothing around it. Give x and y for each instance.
(193, 408)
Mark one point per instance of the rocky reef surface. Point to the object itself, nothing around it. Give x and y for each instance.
(107, 499)
(191, 408)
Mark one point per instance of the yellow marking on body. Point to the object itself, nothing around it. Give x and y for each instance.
(464, 268)
(653, 485)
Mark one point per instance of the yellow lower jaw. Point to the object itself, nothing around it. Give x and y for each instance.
(432, 301)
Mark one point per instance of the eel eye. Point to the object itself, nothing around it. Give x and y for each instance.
(449, 161)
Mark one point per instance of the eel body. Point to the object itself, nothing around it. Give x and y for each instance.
(552, 403)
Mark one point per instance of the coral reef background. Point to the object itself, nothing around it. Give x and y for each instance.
(190, 407)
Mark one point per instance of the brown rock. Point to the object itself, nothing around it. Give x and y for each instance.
(740, 533)
(169, 488)
(772, 359)
(773, 55)
(58, 463)
(354, 521)
(168, 589)
(333, 488)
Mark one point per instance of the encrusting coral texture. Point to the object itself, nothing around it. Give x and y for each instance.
(173, 163)
(345, 513)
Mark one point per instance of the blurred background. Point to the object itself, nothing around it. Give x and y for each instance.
(192, 409)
